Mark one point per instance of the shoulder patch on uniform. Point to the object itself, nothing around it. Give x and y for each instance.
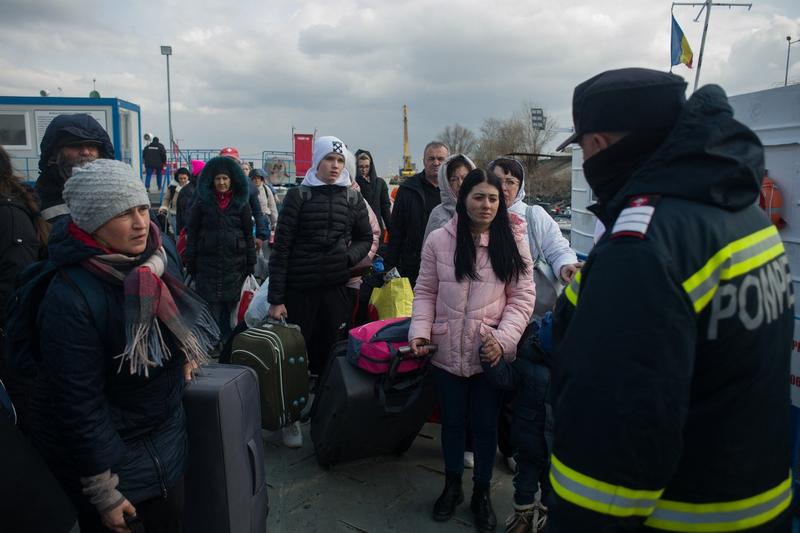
(634, 220)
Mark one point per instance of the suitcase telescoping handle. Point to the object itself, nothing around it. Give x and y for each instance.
(404, 352)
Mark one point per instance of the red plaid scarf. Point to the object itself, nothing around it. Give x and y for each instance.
(154, 297)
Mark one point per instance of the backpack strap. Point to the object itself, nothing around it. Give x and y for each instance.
(352, 195)
(305, 193)
(85, 284)
(535, 254)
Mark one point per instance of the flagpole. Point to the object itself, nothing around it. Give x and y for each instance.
(702, 44)
(706, 4)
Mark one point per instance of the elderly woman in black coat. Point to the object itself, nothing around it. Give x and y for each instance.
(118, 335)
(220, 248)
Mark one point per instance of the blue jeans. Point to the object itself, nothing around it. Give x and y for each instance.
(149, 174)
(221, 311)
(476, 400)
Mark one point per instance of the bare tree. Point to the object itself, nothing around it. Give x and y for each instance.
(516, 136)
(459, 139)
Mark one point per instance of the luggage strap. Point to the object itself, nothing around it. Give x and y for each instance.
(384, 389)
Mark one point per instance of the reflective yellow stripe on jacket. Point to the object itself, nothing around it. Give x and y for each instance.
(722, 516)
(615, 500)
(573, 289)
(737, 258)
(600, 496)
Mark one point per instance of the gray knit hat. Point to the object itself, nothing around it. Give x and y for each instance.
(101, 190)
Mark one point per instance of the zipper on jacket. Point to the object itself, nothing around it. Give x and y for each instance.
(162, 475)
(464, 326)
(330, 218)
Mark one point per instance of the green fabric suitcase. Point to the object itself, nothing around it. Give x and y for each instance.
(277, 352)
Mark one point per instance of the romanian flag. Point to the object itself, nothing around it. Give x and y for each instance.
(681, 51)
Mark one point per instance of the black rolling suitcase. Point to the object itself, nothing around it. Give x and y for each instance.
(354, 416)
(226, 488)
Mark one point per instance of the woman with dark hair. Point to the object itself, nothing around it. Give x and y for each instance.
(473, 299)
(544, 236)
(23, 237)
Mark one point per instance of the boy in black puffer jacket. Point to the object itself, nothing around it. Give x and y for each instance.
(323, 231)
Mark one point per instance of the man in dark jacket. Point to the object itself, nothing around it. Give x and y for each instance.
(416, 198)
(155, 157)
(373, 189)
(673, 341)
(68, 141)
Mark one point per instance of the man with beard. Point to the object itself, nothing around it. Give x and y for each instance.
(69, 141)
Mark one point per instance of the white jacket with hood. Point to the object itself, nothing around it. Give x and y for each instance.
(443, 212)
(544, 235)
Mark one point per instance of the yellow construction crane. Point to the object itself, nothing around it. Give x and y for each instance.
(408, 168)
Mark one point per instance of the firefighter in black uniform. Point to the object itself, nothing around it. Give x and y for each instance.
(673, 345)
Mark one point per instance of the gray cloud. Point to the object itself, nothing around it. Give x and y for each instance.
(245, 75)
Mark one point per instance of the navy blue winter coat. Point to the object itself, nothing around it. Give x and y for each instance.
(87, 415)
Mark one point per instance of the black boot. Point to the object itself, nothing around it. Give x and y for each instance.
(481, 506)
(452, 496)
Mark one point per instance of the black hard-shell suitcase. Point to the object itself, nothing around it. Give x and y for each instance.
(351, 419)
(226, 488)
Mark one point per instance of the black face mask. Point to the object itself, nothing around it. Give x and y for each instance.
(608, 170)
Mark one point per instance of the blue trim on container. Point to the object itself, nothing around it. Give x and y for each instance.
(116, 138)
(56, 100)
(124, 104)
(581, 257)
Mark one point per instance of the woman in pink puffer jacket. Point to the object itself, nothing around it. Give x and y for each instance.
(473, 298)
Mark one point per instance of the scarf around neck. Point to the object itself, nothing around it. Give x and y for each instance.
(223, 198)
(154, 297)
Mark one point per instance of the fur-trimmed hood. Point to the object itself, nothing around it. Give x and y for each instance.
(239, 182)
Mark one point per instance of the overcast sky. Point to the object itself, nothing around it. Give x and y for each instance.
(244, 73)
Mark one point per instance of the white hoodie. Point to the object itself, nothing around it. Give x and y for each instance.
(443, 212)
(544, 235)
(322, 147)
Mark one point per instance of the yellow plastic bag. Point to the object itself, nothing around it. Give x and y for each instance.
(392, 300)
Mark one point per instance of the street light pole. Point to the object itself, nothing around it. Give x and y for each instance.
(789, 43)
(167, 51)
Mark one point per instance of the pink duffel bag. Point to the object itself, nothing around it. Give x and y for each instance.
(376, 348)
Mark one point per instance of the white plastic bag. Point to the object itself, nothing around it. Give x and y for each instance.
(261, 268)
(246, 295)
(256, 314)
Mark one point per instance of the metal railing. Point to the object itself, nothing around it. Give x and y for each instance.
(28, 167)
